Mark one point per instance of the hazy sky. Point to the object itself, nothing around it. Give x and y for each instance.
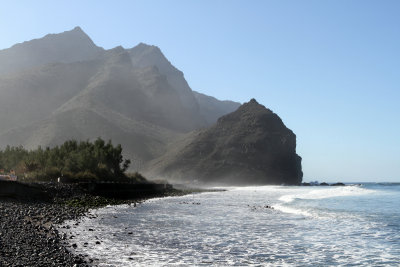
(329, 69)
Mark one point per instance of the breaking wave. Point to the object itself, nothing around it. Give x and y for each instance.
(311, 226)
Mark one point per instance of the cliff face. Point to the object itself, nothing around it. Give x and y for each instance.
(248, 146)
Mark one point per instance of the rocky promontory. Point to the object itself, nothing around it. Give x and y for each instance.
(248, 146)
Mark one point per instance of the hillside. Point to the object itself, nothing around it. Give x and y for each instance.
(248, 146)
(63, 86)
(211, 108)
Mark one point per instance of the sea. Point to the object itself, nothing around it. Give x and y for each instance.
(352, 225)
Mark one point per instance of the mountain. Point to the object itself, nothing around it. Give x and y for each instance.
(141, 141)
(66, 47)
(144, 55)
(248, 146)
(143, 94)
(63, 86)
(134, 107)
(35, 93)
(211, 108)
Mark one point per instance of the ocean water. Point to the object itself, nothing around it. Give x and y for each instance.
(354, 225)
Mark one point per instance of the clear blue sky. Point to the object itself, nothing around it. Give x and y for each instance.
(329, 69)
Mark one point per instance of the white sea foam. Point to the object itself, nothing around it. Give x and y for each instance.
(292, 210)
(236, 228)
(322, 192)
(288, 200)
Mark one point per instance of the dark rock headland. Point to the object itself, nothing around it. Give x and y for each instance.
(246, 147)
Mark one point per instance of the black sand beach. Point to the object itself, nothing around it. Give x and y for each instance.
(28, 234)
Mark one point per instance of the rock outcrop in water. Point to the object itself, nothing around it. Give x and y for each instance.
(248, 146)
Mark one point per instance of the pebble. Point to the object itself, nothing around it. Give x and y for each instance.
(28, 234)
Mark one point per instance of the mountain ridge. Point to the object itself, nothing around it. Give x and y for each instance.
(65, 47)
(61, 89)
(63, 86)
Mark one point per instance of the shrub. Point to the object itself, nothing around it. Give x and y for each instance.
(85, 177)
(89, 161)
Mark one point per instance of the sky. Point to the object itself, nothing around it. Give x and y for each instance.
(329, 69)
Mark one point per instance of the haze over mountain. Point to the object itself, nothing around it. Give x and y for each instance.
(66, 47)
(63, 87)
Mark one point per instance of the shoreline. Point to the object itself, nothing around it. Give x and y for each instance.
(28, 228)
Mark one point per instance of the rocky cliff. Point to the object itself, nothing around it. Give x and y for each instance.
(248, 146)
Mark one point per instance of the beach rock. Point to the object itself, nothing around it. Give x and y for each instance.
(28, 227)
(338, 184)
(28, 237)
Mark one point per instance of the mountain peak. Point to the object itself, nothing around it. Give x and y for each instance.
(253, 107)
(118, 49)
(147, 51)
(253, 101)
(74, 35)
(77, 29)
(146, 46)
(144, 55)
(68, 46)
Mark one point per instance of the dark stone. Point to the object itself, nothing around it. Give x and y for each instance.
(338, 184)
(36, 243)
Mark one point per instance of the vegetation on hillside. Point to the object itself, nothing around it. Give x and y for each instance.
(80, 161)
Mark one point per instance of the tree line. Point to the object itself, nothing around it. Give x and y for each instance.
(84, 160)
